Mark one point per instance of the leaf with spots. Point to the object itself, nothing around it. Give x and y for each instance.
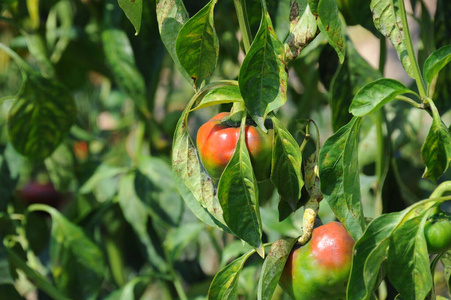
(388, 22)
(330, 25)
(171, 15)
(238, 195)
(197, 45)
(40, 117)
(263, 78)
(286, 165)
(225, 283)
(273, 267)
(340, 180)
(436, 150)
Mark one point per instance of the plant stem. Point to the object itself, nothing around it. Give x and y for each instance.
(408, 39)
(408, 100)
(382, 53)
(240, 7)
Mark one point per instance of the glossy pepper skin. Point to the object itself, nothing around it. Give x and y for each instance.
(216, 144)
(320, 269)
(438, 235)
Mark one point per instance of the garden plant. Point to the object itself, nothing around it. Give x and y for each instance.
(245, 149)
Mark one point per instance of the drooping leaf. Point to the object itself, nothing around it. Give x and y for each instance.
(197, 45)
(435, 62)
(263, 79)
(171, 15)
(354, 73)
(195, 187)
(436, 150)
(330, 25)
(388, 21)
(120, 58)
(303, 29)
(273, 267)
(370, 252)
(339, 173)
(77, 263)
(224, 284)
(238, 196)
(408, 260)
(286, 165)
(376, 94)
(133, 9)
(8, 184)
(40, 117)
(136, 214)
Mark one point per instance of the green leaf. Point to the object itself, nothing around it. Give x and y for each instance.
(133, 9)
(40, 117)
(197, 45)
(60, 167)
(408, 260)
(435, 62)
(5, 269)
(134, 289)
(8, 184)
(224, 94)
(388, 22)
(371, 250)
(195, 187)
(224, 284)
(263, 79)
(354, 73)
(136, 214)
(376, 94)
(171, 15)
(238, 196)
(273, 266)
(330, 25)
(120, 58)
(155, 186)
(286, 165)
(446, 261)
(303, 29)
(436, 150)
(77, 262)
(178, 238)
(314, 6)
(339, 173)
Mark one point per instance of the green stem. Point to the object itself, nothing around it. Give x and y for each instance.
(24, 67)
(36, 278)
(240, 7)
(382, 53)
(410, 101)
(441, 189)
(416, 69)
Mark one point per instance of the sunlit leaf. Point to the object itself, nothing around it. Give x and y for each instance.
(330, 25)
(238, 195)
(197, 45)
(370, 252)
(376, 94)
(388, 21)
(273, 266)
(339, 173)
(263, 79)
(408, 260)
(225, 94)
(171, 15)
(303, 28)
(436, 62)
(224, 284)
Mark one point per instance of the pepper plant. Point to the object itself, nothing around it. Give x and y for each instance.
(110, 97)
